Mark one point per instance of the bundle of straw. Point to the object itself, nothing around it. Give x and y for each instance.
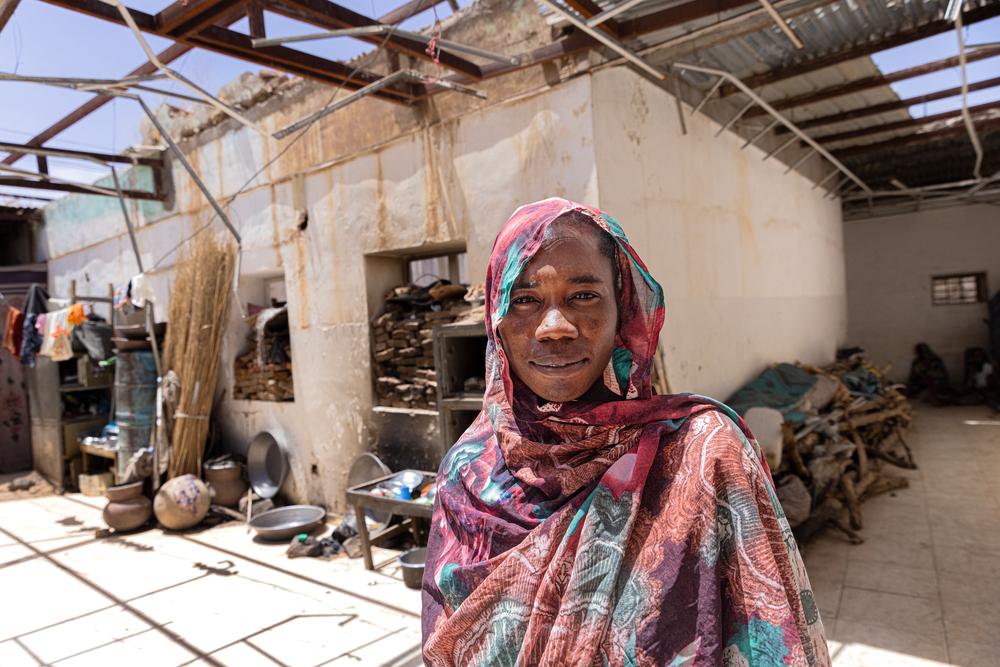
(199, 310)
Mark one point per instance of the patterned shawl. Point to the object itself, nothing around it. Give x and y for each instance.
(639, 531)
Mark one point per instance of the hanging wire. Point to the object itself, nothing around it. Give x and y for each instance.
(364, 63)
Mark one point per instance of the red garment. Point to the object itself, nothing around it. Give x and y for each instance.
(12, 332)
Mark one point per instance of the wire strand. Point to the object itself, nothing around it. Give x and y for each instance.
(365, 62)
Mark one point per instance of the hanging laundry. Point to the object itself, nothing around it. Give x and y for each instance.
(13, 331)
(35, 306)
(56, 338)
(140, 290)
(76, 314)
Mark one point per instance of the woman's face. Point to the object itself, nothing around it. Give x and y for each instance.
(559, 332)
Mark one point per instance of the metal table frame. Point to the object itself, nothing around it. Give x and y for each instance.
(361, 498)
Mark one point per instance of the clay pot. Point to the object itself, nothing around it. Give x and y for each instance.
(182, 502)
(227, 482)
(127, 508)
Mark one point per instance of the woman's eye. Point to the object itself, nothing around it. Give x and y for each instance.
(585, 296)
(523, 299)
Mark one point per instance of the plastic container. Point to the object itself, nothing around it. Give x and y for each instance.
(412, 562)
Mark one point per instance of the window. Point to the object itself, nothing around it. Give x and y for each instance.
(958, 289)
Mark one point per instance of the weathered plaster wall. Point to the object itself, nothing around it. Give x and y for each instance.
(751, 260)
(455, 180)
(890, 262)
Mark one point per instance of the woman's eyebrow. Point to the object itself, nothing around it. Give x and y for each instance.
(585, 279)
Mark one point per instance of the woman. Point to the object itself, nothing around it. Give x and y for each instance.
(583, 521)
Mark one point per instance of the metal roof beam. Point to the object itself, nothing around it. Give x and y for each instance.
(678, 14)
(875, 109)
(7, 8)
(904, 124)
(181, 19)
(83, 155)
(332, 16)
(18, 182)
(917, 137)
(588, 9)
(171, 53)
(877, 81)
(868, 47)
(231, 43)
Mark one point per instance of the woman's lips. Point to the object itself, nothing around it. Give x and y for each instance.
(558, 367)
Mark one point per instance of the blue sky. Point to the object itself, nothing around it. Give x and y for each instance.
(94, 48)
(42, 39)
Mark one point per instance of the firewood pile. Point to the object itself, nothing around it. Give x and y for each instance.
(838, 446)
(264, 372)
(403, 345)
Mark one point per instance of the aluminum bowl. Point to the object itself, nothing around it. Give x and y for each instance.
(284, 523)
(266, 465)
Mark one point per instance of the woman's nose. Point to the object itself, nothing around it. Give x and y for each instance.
(554, 325)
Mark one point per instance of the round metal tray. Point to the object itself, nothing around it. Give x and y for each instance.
(284, 523)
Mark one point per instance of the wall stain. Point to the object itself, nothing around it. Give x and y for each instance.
(381, 209)
(432, 186)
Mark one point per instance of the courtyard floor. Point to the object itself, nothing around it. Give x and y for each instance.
(924, 588)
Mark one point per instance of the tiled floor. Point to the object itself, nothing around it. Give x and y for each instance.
(209, 598)
(924, 588)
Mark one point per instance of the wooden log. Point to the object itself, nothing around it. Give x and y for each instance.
(851, 499)
(884, 484)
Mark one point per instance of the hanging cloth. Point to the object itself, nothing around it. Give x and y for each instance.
(57, 335)
(13, 331)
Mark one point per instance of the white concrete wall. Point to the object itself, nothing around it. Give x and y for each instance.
(454, 181)
(751, 260)
(890, 262)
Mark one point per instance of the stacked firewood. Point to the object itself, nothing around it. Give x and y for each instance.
(267, 379)
(403, 344)
(844, 453)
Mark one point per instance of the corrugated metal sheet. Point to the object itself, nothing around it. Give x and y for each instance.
(823, 27)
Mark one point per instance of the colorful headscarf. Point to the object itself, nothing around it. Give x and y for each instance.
(639, 531)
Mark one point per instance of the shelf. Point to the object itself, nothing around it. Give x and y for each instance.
(463, 402)
(388, 409)
(85, 418)
(81, 387)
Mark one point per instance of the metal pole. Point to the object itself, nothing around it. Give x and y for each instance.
(96, 189)
(379, 29)
(977, 170)
(779, 149)
(597, 20)
(177, 76)
(739, 114)
(608, 41)
(825, 179)
(765, 130)
(187, 166)
(802, 159)
(782, 23)
(368, 90)
(776, 114)
(708, 96)
(128, 221)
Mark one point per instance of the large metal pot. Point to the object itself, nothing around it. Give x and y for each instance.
(266, 465)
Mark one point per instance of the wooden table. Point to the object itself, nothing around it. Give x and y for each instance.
(361, 497)
(101, 452)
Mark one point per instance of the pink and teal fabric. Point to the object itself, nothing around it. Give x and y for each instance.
(638, 531)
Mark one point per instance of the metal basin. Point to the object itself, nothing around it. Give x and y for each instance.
(284, 523)
(266, 465)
